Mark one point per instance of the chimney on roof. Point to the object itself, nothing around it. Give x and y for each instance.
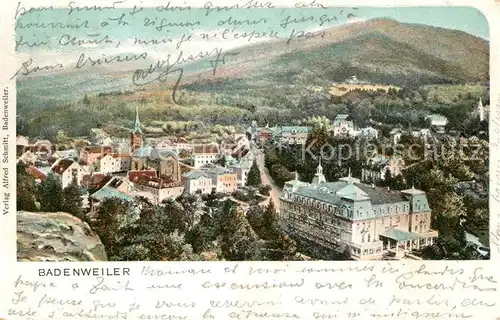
(373, 186)
(388, 188)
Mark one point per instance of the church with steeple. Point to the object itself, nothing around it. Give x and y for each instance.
(363, 221)
(481, 111)
(136, 139)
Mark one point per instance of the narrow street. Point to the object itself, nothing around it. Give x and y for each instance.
(266, 179)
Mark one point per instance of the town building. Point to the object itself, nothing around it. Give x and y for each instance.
(157, 189)
(95, 181)
(369, 133)
(241, 170)
(224, 180)
(177, 144)
(234, 144)
(66, 154)
(164, 161)
(99, 137)
(107, 192)
(342, 127)
(375, 168)
(22, 141)
(396, 134)
(43, 147)
(259, 134)
(36, 173)
(423, 134)
(114, 162)
(264, 134)
(205, 154)
(68, 171)
(122, 184)
(360, 220)
(90, 154)
(133, 174)
(291, 134)
(438, 122)
(136, 140)
(26, 156)
(198, 181)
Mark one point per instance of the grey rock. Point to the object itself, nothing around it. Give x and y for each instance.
(56, 236)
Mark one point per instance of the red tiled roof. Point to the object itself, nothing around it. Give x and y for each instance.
(118, 155)
(206, 148)
(20, 149)
(240, 153)
(97, 149)
(35, 173)
(158, 183)
(134, 175)
(62, 165)
(97, 180)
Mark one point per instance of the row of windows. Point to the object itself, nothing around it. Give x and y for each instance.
(202, 183)
(204, 161)
(315, 204)
(320, 222)
(382, 210)
(366, 251)
(347, 211)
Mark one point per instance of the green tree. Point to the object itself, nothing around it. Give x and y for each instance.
(254, 217)
(202, 235)
(254, 178)
(72, 200)
(321, 127)
(51, 194)
(237, 240)
(388, 179)
(112, 224)
(26, 189)
(86, 100)
(270, 222)
(281, 248)
(192, 208)
(167, 247)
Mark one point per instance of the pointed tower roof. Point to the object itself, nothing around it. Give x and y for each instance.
(319, 177)
(350, 179)
(137, 125)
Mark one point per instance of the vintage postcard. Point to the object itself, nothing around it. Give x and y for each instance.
(250, 160)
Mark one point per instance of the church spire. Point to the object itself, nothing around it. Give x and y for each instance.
(480, 109)
(319, 177)
(137, 125)
(320, 168)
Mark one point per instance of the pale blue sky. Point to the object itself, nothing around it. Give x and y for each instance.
(465, 19)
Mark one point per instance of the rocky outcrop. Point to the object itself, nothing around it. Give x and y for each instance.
(56, 236)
